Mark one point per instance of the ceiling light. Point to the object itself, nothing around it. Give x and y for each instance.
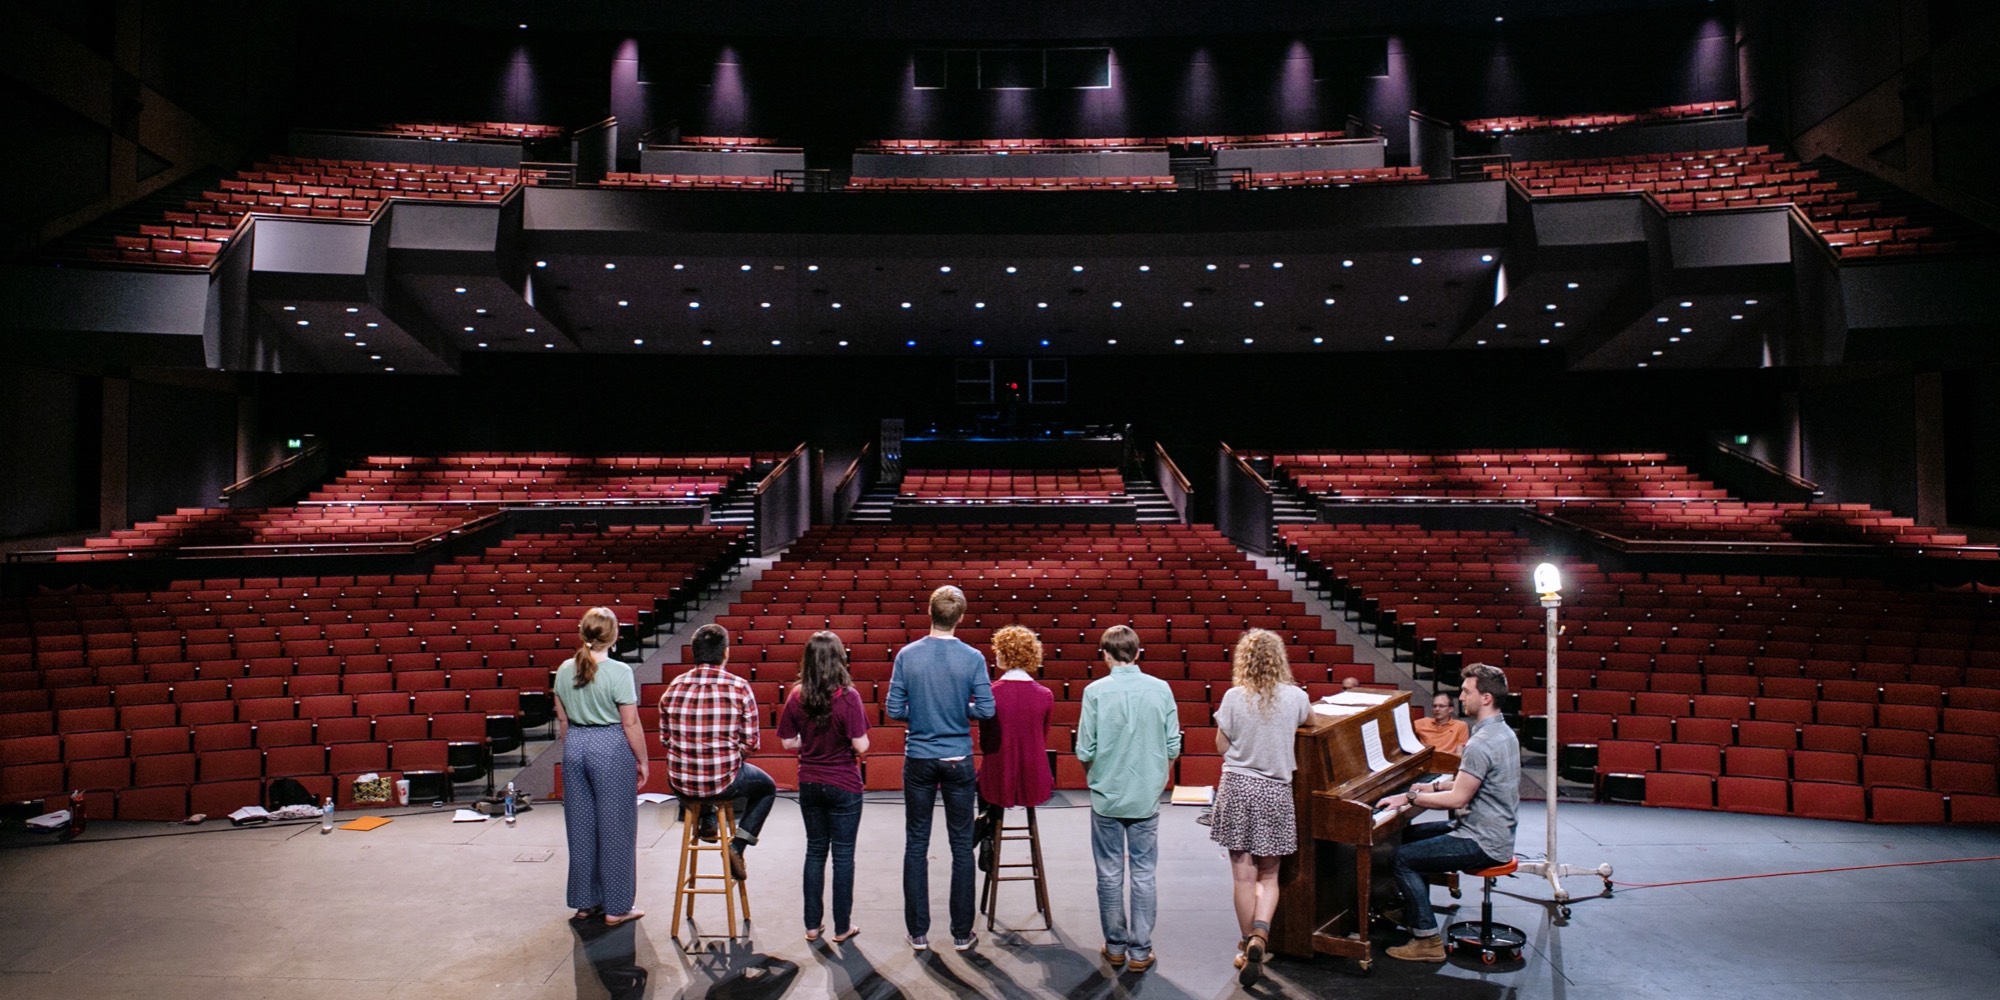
(745, 267)
(372, 326)
(351, 310)
(460, 290)
(1486, 258)
(361, 343)
(1499, 18)
(305, 322)
(1041, 305)
(469, 330)
(291, 309)
(1389, 338)
(1551, 307)
(1559, 324)
(1187, 305)
(611, 267)
(1319, 340)
(482, 343)
(1346, 263)
(374, 357)
(1687, 329)
(842, 343)
(1249, 340)
(1414, 261)
(697, 305)
(711, 343)
(777, 343)
(638, 342)
(763, 305)
(1117, 305)
(1329, 302)
(1658, 353)
(1259, 304)
(946, 269)
(1277, 263)
(1749, 302)
(529, 329)
(1402, 298)
(1145, 267)
(1661, 319)
(1687, 305)
(979, 343)
(1178, 341)
(979, 305)
(1572, 286)
(1673, 340)
(1076, 268)
(1113, 342)
(906, 305)
(1545, 340)
(1010, 269)
(836, 305)
(479, 312)
(622, 303)
(1211, 267)
(550, 346)
(1045, 343)
(541, 263)
(390, 368)
(1735, 315)
(1499, 326)
(909, 343)
(812, 267)
(349, 334)
(680, 267)
(1480, 343)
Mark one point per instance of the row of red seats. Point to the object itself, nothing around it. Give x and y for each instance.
(343, 525)
(1491, 475)
(1535, 123)
(931, 484)
(1747, 522)
(1160, 183)
(1334, 178)
(1730, 702)
(719, 182)
(537, 476)
(449, 131)
(726, 140)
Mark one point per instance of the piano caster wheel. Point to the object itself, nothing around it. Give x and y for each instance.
(1563, 912)
(1488, 957)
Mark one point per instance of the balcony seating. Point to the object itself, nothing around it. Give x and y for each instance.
(707, 182)
(1336, 178)
(1594, 122)
(528, 476)
(455, 131)
(1075, 145)
(987, 484)
(1154, 183)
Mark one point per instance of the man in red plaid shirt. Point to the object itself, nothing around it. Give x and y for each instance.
(708, 721)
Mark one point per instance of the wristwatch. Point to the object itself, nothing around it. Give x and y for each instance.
(1411, 795)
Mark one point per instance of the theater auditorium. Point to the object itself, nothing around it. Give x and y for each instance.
(1596, 402)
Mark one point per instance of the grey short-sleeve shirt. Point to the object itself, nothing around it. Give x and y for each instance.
(1492, 755)
(1261, 741)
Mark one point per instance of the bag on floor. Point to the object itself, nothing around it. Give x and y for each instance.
(289, 792)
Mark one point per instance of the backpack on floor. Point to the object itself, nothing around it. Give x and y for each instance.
(288, 792)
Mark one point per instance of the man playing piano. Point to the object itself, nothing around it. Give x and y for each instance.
(1486, 792)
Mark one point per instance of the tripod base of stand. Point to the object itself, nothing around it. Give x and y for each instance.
(1555, 873)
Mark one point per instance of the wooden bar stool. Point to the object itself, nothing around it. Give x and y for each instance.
(1494, 942)
(989, 897)
(687, 882)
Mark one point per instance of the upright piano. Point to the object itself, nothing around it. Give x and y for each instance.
(1323, 899)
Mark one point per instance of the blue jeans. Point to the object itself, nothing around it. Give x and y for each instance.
(833, 817)
(756, 792)
(1115, 843)
(1428, 848)
(923, 779)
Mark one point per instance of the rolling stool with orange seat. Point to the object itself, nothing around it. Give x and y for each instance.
(1494, 942)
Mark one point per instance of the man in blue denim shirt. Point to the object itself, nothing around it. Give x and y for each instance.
(939, 686)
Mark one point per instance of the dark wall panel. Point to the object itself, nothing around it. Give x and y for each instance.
(1858, 441)
(183, 448)
(48, 452)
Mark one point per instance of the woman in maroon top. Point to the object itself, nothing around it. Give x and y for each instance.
(1015, 741)
(824, 721)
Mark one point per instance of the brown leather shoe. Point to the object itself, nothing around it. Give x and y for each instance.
(738, 870)
(1117, 960)
(1142, 964)
(1422, 949)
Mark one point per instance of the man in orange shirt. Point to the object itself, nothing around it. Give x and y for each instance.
(1439, 730)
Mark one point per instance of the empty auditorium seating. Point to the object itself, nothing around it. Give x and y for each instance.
(455, 131)
(534, 476)
(1855, 692)
(193, 697)
(1334, 178)
(1075, 145)
(1593, 122)
(308, 528)
(1188, 591)
(1032, 484)
(717, 182)
(727, 141)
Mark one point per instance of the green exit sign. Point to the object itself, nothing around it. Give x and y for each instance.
(297, 443)
(1740, 439)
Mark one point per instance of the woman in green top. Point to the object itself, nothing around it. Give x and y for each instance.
(604, 763)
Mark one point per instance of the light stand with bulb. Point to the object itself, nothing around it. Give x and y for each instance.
(1548, 583)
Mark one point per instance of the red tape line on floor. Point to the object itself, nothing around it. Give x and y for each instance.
(1808, 871)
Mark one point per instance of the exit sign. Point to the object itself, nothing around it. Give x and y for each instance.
(295, 443)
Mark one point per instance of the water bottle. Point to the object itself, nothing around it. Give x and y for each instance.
(326, 816)
(509, 805)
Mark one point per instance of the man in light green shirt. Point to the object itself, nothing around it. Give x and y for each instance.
(1127, 735)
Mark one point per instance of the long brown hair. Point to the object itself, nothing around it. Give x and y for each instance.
(598, 630)
(822, 676)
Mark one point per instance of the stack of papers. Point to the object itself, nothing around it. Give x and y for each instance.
(467, 816)
(1193, 795)
(1359, 699)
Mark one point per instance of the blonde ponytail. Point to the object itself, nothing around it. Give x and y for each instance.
(598, 629)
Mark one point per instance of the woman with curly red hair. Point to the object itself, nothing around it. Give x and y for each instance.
(1016, 740)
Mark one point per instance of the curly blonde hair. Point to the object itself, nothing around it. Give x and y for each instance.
(1016, 648)
(1258, 665)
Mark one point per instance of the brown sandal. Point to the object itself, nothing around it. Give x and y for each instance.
(1253, 959)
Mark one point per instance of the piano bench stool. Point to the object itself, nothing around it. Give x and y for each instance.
(1494, 942)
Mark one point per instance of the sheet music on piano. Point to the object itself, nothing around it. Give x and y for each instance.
(1406, 734)
(1371, 746)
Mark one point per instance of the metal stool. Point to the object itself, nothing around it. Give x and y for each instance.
(686, 883)
(989, 897)
(1492, 941)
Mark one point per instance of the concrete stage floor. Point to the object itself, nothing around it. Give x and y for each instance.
(427, 908)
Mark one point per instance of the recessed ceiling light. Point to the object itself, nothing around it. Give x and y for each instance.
(1658, 353)
(1113, 342)
(1117, 305)
(352, 310)
(479, 312)
(1687, 305)
(1673, 340)
(541, 263)
(390, 368)
(1749, 302)
(979, 343)
(745, 267)
(1145, 267)
(361, 343)
(482, 343)
(763, 305)
(1187, 305)
(1402, 298)
(836, 305)
(611, 267)
(372, 326)
(1259, 304)
(1499, 18)
(291, 309)
(304, 322)
(1414, 261)
(1559, 324)
(1045, 343)
(1486, 258)
(1041, 305)
(1249, 340)
(349, 334)
(1319, 340)
(979, 305)
(1499, 326)
(460, 290)
(946, 269)
(1211, 267)
(1329, 302)
(1687, 329)
(550, 346)
(374, 357)
(1661, 319)
(1545, 340)
(1735, 315)
(906, 305)
(1642, 364)
(1480, 343)
(812, 267)
(697, 305)
(708, 343)
(680, 267)
(1277, 263)
(1572, 286)
(1179, 341)
(622, 303)
(1076, 268)
(909, 343)
(1010, 269)
(1551, 307)
(842, 343)
(470, 330)
(777, 343)
(638, 342)
(1346, 263)
(1388, 338)
(529, 329)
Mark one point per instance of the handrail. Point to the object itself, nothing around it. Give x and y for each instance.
(1432, 119)
(1356, 124)
(1180, 478)
(784, 464)
(1768, 468)
(1015, 151)
(512, 502)
(1025, 501)
(695, 147)
(403, 547)
(241, 484)
(1759, 546)
(1361, 140)
(1471, 167)
(597, 126)
(854, 468)
(1243, 466)
(371, 133)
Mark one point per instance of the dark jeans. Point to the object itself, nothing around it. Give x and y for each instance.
(755, 792)
(1428, 848)
(923, 780)
(833, 817)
